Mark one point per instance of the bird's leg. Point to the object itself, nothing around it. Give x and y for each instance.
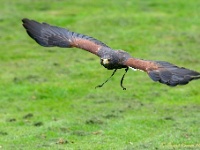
(98, 86)
(122, 79)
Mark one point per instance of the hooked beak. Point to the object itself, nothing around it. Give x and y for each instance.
(105, 61)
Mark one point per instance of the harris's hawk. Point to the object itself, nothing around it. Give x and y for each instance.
(161, 71)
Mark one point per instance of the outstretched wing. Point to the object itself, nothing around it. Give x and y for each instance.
(48, 36)
(164, 72)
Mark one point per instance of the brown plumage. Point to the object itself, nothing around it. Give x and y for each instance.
(163, 72)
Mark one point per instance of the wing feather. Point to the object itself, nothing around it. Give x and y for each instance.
(49, 36)
(164, 72)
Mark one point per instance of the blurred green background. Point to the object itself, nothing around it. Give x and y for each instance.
(47, 95)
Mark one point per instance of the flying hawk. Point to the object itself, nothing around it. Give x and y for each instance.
(161, 71)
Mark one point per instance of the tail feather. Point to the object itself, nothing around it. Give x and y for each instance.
(172, 75)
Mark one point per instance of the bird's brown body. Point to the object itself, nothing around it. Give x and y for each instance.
(163, 72)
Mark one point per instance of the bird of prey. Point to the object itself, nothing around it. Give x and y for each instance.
(48, 36)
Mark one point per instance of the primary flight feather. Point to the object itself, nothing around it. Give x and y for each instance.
(161, 71)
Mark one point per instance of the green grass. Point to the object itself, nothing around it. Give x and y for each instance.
(47, 95)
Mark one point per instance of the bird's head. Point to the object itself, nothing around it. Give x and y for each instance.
(113, 59)
(111, 62)
(105, 61)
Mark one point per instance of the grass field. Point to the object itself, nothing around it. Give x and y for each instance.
(47, 95)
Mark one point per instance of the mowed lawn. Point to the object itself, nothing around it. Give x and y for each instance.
(48, 98)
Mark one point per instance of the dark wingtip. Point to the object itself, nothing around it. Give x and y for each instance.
(33, 29)
(172, 75)
(24, 20)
